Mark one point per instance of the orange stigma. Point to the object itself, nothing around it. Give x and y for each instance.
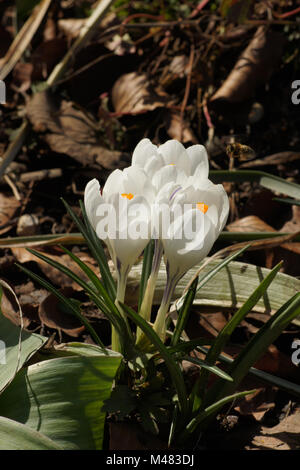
(128, 195)
(202, 207)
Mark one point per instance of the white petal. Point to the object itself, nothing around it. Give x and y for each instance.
(183, 253)
(173, 152)
(92, 199)
(198, 156)
(113, 184)
(142, 152)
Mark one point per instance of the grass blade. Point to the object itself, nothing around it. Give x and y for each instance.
(208, 367)
(265, 377)
(209, 412)
(146, 270)
(264, 179)
(211, 273)
(105, 303)
(171, 364)
(184, 312)
(68, 304)
(96, 248)
(257, 346)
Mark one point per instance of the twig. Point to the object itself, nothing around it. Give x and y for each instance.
(199, 8)
(187, 88)
(56, 74)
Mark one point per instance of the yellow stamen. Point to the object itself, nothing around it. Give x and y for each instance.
(202, 207)
(128, 195)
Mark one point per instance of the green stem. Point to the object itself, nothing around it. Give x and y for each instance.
(146, 307)
(160, 321)
(120, 296)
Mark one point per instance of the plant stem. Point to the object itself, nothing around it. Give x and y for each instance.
(146, 307)
(160, 321)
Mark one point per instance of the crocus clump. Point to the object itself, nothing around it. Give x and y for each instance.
(166, 195)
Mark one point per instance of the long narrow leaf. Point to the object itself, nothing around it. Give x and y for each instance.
(209, 411)
(99, 254)
(96, 248)
(70, 306)
(146, 270)
(107, 299)
(212, 272)
(184, 312)
(264, 179)
(257, 346)
(205, 365)
(171, 364)
(265, 377)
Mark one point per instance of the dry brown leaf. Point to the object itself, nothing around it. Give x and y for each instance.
(132, 94)
(8, 209)
(51, 315)
(11, 309)
(283, 436)
(275, 159)
(252, 223)
(71, 27)
(179, 129)
(254, 67)
(70, 131)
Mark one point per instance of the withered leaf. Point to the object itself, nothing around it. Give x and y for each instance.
(70, 131)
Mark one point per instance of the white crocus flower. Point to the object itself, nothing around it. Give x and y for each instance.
(121, 216)
(171, 162)
(205, 207)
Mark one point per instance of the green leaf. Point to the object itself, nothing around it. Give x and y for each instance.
(287, 201)
(214, 270)
(146, 270)
(71, 306)
(95, 246)
(184, 312)
(186, 346)
(210, 411)
(226, 332)
(208, 367)
(229, 288)
(16, 347)
(172, 366)
(265, 377)
(62, 398)
(99, 254)
(266, 180)
(17, 436)
(257, 345)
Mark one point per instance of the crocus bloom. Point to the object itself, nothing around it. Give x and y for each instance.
(205, 206)
(170, 162)
(121, 209)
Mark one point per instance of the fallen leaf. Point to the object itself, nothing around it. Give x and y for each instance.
(132, 93)
(70, 131)
(8, 208)
(179, 129)
(283, 436)
(11, 309)
(254, 67)
(52, 315)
